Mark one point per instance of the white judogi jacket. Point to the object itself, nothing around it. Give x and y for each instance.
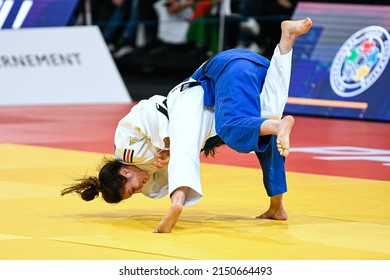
(140, 135)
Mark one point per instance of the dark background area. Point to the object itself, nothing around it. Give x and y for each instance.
(157, 71)
(156, 68)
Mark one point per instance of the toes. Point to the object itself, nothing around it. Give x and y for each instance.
(284, 152)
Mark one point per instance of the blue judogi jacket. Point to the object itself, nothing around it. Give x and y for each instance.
(232, 81)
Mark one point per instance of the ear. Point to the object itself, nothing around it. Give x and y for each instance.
(124, 171)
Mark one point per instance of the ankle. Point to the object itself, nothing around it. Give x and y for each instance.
(177, 208)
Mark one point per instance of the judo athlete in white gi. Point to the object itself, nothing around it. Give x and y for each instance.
(236, 98)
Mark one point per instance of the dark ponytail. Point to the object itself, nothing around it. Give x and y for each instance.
(109, 183)
(211, 145)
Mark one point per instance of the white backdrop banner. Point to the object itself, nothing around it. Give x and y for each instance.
(58, 65)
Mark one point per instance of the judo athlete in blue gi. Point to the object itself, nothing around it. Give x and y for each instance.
(232, 81)
(236, 98)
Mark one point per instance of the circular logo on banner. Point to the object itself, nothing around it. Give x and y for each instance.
(360, 61)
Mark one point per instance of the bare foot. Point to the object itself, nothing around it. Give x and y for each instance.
(168, 222)
(279, 214)
(291, 29)
(296, 27)
(283, 136)
(276, 210)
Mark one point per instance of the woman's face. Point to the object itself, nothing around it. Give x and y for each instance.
(136, 178)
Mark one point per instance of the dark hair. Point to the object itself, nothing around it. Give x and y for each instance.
(109, 183)
(211, 145)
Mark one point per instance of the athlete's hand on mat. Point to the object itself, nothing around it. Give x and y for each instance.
(161, 160)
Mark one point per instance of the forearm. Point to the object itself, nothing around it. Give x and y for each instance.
(186, 138)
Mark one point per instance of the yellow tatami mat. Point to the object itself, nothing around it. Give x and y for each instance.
(329, 217)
